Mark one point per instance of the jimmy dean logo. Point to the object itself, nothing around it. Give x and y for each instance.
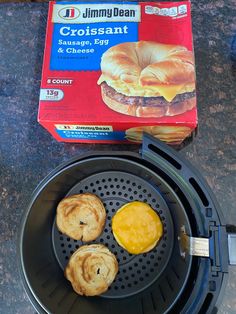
(94, 13)
(108, 13)
(69, 13)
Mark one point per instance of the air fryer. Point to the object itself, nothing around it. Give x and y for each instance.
(185, 273)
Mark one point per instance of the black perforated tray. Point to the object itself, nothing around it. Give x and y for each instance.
(116, 188)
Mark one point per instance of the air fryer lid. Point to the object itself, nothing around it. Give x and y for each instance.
(170, 277)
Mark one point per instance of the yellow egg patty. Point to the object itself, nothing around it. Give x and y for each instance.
(137, 227)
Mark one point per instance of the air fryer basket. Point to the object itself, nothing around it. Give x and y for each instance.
(167, 279)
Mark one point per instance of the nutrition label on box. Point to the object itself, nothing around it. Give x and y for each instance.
(176, 11)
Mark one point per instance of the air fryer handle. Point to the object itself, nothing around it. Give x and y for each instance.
(155, 151)
(159, 153)
(232, 243)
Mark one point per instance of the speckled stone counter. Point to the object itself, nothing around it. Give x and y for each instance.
(28, 152)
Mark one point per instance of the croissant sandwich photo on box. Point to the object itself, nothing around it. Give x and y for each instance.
(114, 70)
(148, 79)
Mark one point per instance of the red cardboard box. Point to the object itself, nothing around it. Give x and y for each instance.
(113, 70)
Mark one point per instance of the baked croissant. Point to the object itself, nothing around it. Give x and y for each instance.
(81, 216)
(91, 269)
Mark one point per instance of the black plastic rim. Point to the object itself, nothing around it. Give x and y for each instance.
(207, 299)
(163, 279)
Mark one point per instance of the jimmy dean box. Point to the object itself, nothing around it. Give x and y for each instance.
(113, 70)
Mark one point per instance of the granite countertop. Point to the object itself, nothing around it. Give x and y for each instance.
(28, 152)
